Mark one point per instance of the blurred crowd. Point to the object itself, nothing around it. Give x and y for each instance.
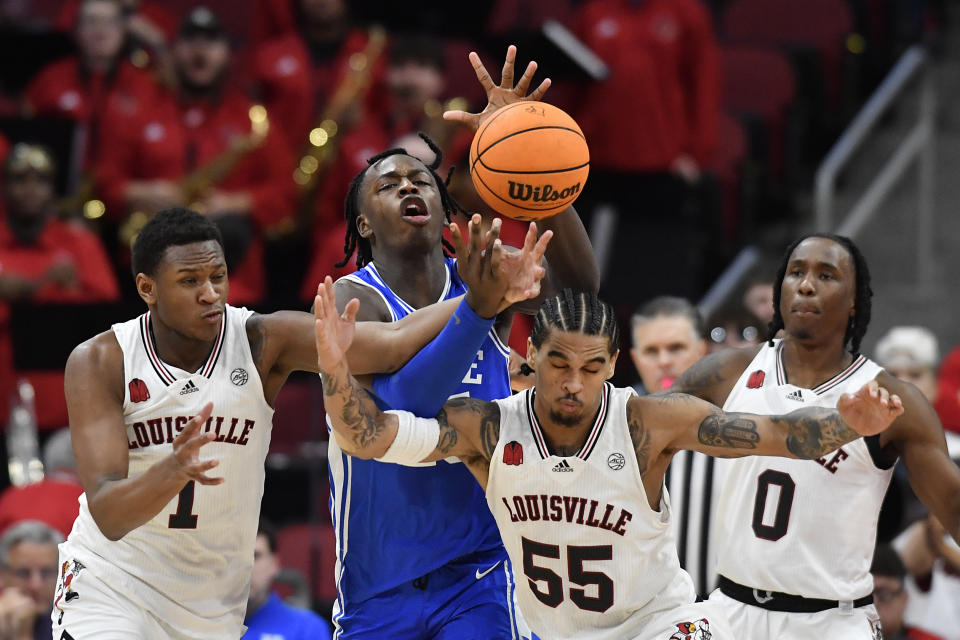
(704, 119)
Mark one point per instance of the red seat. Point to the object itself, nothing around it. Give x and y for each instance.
(298, 416)
(759, 82)
(821, 25)
(312, 550)
(727, 164)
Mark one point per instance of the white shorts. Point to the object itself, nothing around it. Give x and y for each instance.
(696, 621)
(86, 608)
(755, 623)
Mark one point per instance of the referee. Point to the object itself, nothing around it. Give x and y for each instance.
(668, 335)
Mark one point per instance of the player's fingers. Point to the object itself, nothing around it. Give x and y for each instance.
(530, 239)
(473, 239)
(459, 247)
(896, 403)
(884, 397)
(524, 84)
(193, 424)
(192, 446)
(541, 247)
(539, 91)
(485, 80)
(490, 239)
(350, 311)
(457, 115)
(506, 76)
(496, 251)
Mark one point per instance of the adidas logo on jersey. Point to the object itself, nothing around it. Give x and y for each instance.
(563, 467)
(795, 395)
(189, 388)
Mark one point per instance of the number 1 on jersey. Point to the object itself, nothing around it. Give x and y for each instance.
(183, 519)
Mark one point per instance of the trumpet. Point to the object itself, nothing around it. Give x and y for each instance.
(321, 142)
(195, 184)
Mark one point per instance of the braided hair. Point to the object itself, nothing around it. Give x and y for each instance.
(353, 241)
(857, 327)
(580, 311)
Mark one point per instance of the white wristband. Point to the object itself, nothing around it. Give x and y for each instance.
(416, 439)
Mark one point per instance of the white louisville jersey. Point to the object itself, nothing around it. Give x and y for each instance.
(591, 558)
(190, 565)
(804, 527)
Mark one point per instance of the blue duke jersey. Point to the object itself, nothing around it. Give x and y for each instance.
(394, 523)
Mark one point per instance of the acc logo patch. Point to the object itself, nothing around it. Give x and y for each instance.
(239, 376)
(138, 390)
(513, 453)
(616, 461)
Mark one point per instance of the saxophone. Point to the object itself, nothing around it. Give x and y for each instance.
(194, 185)
(321, 143)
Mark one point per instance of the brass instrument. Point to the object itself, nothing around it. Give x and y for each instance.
(321, 147)
(195, 184)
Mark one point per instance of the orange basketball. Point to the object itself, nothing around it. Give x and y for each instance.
(529, 160)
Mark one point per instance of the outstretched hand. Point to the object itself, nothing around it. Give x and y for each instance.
(499, 95)
(524, 269)
(870, 410)
(186, 450)
(333, 332)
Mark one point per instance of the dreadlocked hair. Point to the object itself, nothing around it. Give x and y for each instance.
(353, 241)
(857, 327)
(580, 311)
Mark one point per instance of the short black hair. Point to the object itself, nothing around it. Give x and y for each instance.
(169, 228)
(268, 530)
(857, 327)
(887, 562)
(580, 311)
(353, 241)
(670, 307)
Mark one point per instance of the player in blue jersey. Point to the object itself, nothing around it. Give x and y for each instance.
(419, 554)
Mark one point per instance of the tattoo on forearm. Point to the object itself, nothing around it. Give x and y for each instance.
(814, 432)
(357, 412)
(728, 430)
(639, 436)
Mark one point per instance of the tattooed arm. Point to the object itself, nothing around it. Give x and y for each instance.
(677, 421)
(469, 428)
(712, 377)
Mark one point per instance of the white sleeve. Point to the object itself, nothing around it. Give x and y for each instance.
(416, 439)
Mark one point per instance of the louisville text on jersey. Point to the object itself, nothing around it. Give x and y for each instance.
(158, 431)
(572, 509)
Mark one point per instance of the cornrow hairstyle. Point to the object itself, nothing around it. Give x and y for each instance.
(354, 241)
(857, 327)
(580, 311)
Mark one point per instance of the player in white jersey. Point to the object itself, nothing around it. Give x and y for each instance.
(157, 403)
(796, 538)
(573, 468)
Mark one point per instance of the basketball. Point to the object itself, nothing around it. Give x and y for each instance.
(529, 160)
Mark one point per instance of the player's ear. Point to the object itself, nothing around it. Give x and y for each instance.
(363, 226)
(613, 364)
(531, 355)
(147, 288)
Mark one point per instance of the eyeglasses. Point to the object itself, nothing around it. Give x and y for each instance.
(25, 573)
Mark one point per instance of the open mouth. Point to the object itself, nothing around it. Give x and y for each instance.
(414, 210)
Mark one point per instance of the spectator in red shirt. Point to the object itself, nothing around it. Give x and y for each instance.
(53, 500)
(172, 156)
(297, 73)
(652, 127)
(43, 260)
(98, 88)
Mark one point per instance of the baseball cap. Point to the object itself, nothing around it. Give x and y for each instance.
(909, 347)
(201, 20)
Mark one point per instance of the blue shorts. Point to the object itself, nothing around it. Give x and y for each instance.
(450, 603)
